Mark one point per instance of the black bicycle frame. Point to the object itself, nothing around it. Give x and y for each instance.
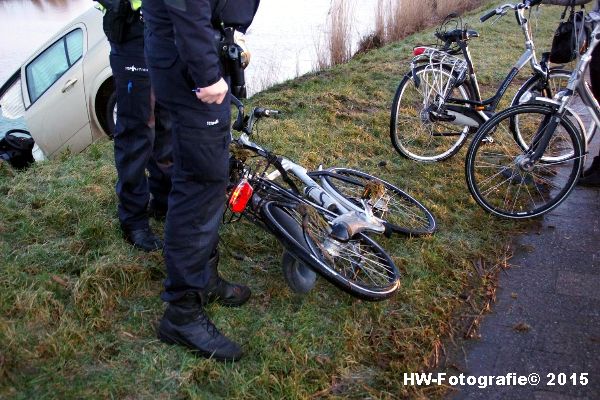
(474, 109)
(491, 103)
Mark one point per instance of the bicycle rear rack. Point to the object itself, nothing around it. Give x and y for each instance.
(436, 59)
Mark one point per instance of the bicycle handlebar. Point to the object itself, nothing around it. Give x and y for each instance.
(487, 16)
(245, 123)
(526, 4)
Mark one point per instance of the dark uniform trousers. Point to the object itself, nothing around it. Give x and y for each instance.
(138, 147)
(200, 175)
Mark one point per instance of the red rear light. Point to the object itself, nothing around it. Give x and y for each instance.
(417, 51)
(240, 196)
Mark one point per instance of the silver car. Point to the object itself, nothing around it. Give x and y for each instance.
(64, 93)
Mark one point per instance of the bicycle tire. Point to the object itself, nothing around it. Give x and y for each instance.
(534, 87)
(494, 169)
(343, 264)
(412, 132)
(402, 212)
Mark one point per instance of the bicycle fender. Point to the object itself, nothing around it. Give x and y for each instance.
(416, 79)
(545, 100)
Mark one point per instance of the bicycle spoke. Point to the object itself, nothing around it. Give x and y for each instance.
(351, 259)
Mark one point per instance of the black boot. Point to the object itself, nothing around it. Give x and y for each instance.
(592, 179)
(594, 167)
(143, 239)
(186, 324)
(591, 176)
(221, 291)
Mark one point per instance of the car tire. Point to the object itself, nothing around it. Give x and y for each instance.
(111, 114)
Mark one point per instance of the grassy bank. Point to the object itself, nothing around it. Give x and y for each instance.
(78, 306)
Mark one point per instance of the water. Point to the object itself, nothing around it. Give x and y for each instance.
(286, 34)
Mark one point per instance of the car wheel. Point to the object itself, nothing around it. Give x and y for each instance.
(111, 114)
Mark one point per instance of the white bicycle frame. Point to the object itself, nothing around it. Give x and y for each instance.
(357, 219)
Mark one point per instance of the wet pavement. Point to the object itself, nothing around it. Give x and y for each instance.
(546, 319)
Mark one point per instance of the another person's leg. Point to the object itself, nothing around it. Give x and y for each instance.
(133, 141)
(160, 164)
(591, 176)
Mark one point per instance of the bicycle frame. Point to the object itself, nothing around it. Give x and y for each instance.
(528, 56)
(357, 219)
(472, 112)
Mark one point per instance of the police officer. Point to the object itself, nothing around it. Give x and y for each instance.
(188, 77)
(142, 132)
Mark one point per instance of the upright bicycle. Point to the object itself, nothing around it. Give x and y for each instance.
(526, 160)
(323, 217)
(438, 102)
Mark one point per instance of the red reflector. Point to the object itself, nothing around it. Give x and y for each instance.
(417, 51)
(240, 196)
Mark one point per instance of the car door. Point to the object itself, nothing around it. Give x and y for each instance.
(53, 88)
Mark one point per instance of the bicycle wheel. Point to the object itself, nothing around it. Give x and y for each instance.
(416, 130)
(403, 213)
(360, 266)
(501, 180)
(537, 87)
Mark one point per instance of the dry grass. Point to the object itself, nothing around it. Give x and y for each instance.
(263, 78)
(445, 7)
(407, 16)
(396, 19)
(380, 18)
(338, 46)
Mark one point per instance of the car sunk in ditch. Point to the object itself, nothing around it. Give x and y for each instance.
(63, 94)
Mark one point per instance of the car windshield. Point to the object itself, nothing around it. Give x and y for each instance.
(12, 108)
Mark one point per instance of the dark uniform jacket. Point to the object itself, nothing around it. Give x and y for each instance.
(187, 28)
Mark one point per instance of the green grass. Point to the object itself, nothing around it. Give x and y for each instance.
(78, 305)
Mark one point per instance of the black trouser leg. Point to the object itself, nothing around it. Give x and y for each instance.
(200, 175)
(133, 139)
(160, 164)
(138, 146)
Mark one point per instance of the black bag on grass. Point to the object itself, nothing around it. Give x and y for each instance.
(16, 147)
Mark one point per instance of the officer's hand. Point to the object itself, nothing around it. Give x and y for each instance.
(214, 93)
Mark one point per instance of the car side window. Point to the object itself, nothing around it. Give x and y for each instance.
(51, 64)
(74, 42)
